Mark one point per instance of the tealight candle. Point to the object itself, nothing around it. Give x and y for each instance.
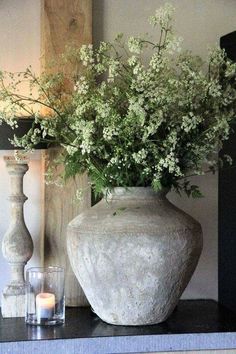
(45, 299)
(45, 305)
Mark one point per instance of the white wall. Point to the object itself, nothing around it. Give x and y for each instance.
(200, 23)
(20, 34)
(20, 47)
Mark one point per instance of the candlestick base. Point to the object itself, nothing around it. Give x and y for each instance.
(13, 305)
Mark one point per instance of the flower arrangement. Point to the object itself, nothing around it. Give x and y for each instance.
(142, 112)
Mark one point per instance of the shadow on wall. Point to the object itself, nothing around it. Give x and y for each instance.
(98, 25)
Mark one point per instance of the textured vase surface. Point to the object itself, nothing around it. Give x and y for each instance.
(133, 255)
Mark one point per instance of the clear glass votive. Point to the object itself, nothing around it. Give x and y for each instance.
(45, 299)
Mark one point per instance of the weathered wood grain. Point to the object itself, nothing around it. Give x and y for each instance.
(61, 206)
(63, 23)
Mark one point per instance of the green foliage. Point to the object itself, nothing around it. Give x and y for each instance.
(142, 112)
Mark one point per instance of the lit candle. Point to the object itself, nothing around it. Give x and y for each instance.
(45, 305)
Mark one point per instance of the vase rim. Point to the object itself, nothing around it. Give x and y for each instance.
(136, 192)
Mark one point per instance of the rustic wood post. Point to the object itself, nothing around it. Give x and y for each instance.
(63, 23)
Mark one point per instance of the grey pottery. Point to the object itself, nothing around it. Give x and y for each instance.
(133, 255)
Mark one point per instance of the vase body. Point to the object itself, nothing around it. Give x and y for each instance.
(133, 255)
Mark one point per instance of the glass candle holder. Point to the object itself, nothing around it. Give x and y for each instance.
(45, 300)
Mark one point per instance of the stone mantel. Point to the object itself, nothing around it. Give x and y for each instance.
(195, 325)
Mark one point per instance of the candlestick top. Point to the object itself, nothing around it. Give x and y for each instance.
(13, 160)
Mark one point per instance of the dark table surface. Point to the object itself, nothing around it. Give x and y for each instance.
(190, 317)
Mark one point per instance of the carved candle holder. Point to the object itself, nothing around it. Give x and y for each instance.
(17, 245)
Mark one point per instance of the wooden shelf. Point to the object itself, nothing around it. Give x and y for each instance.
(194, 325)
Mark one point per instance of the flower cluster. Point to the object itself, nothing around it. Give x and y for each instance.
(163, 17)
(130, 121)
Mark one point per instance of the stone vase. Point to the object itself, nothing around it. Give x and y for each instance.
(134, 254)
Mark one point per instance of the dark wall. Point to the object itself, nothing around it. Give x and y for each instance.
(227, 208)
(6, 133)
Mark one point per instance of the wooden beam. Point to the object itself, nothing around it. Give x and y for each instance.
(63, 23)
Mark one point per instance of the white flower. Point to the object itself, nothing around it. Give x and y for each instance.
(230, 69)
(214, 89)
(79, 194)
(163, 16)
(190, 122)
(135, 45)
(71, 149)
(132, 61)
(170, 162)
(103, 47)
(174, 45)
(140, 156)
(113, 161)
(113, 69)
(156, 61)
(82, 86)
(109, 132)
(86, 54)
(138, 69)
